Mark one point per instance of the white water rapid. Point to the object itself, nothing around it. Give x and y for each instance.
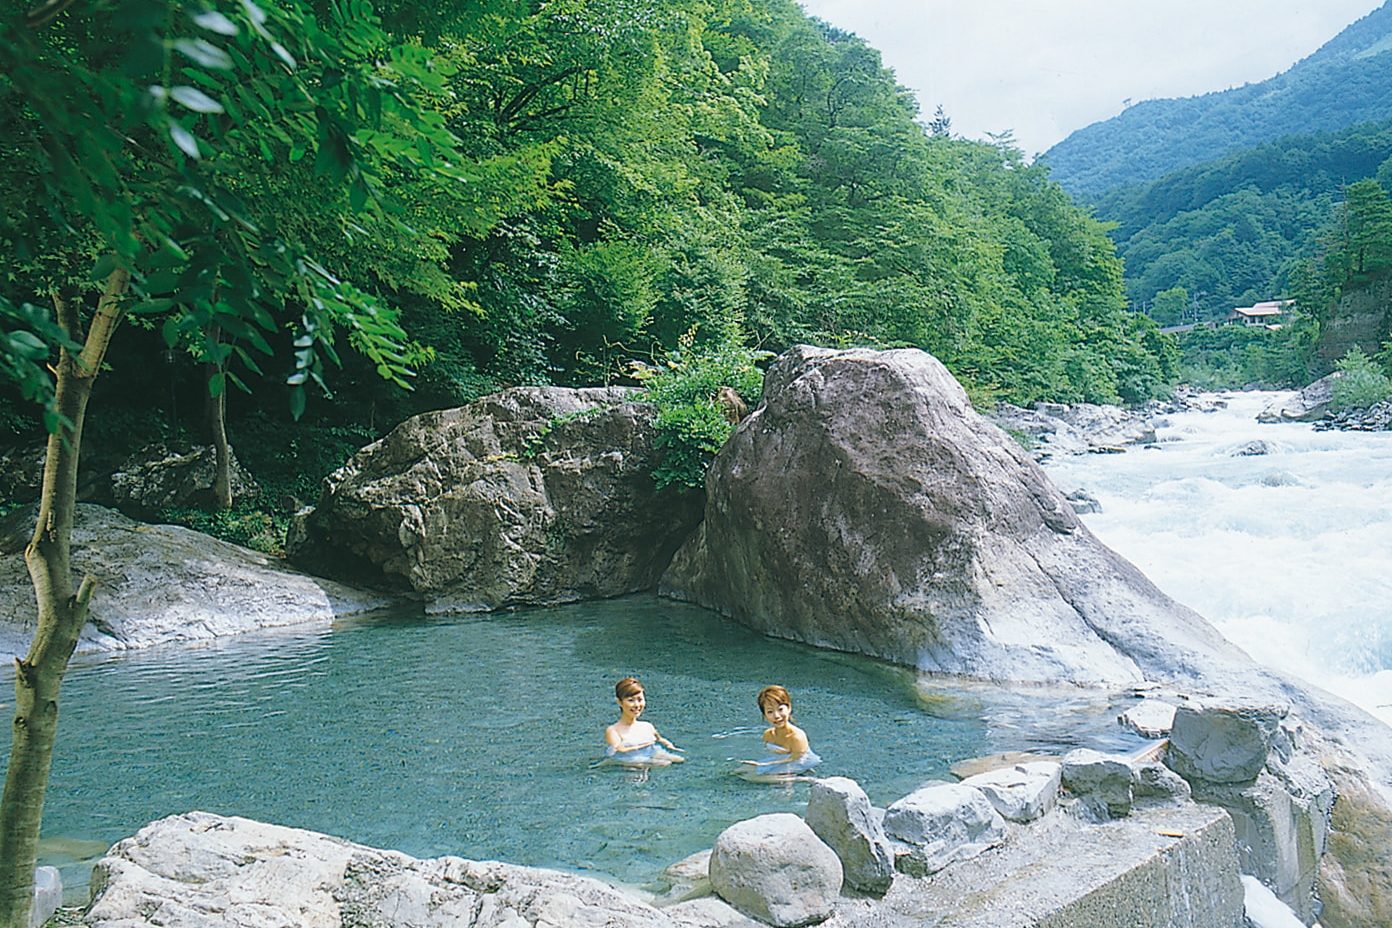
(1288, 553)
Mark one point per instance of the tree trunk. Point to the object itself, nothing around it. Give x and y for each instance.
(61, 610)
(217, 431)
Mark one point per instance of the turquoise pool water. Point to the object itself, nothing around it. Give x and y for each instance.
(477, 735)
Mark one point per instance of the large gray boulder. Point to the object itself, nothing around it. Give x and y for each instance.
(198, 870)
(1308, 405)
(864, 506)
(942, 824)
(774, 868)
(158, 584)
(1223, 741)
(532, 495)
(841, 815)
(159, 477)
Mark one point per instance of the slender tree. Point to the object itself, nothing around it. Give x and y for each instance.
(134, 127)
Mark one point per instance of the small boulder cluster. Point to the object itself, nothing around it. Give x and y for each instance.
(787, 871)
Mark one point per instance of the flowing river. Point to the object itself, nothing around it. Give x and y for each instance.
(1288, 553)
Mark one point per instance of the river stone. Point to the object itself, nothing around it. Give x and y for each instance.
(534, 495)
(688, 878)
(160, 477)
(158, 584)
(1083, 503)
(1223, 741)
(1021, 793)
(1254, 448)
(708, 912)
(940, 825)
(1055, 428)
(1154, 780)
(864, 506)
(840, 813)
(1101, 781)
(1149, 718)
(1308, 405)
(775, 868)
(197, 870)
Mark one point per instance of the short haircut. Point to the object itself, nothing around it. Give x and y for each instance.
(627, 687)
(776, 695)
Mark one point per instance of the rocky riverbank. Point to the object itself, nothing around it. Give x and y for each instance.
(863, 506)
(162, 584)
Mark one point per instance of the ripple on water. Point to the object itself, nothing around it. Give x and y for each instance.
(475, 736)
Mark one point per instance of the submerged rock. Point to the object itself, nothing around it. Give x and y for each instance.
(864, 506)
(158, 584)
(532, 495)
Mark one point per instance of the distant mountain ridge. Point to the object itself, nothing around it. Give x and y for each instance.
(1347, 81)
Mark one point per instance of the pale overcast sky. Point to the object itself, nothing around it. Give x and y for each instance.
(1043, 68)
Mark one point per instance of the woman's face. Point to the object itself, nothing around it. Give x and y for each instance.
(776, 713)
(633, 703)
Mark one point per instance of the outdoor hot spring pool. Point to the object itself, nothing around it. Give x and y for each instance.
(477, 735)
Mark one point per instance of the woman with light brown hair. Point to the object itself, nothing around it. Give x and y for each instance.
(633, 742)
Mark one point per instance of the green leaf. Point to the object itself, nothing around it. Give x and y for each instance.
(28, 345)
(194, 99)
(284, 55)
(184, 139)
(214, 21)
(104, 266)
(201, 51)
(216, 384)
(297, 402)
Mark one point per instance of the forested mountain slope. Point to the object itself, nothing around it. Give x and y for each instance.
(633, 177)
(1345, 82)
(1233, 231)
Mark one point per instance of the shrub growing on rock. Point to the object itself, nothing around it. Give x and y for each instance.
(1363, 383)
(690, 424)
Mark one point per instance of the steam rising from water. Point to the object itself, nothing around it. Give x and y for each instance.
(1288, 553)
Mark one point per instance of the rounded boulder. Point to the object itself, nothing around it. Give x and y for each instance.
(775, 868)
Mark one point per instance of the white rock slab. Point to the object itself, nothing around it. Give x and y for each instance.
(1149, 718)
(1021, 793)
(199, 870)
(942, 824)
(158, 584)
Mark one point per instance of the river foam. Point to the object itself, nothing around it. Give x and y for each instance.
(1288, 553)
